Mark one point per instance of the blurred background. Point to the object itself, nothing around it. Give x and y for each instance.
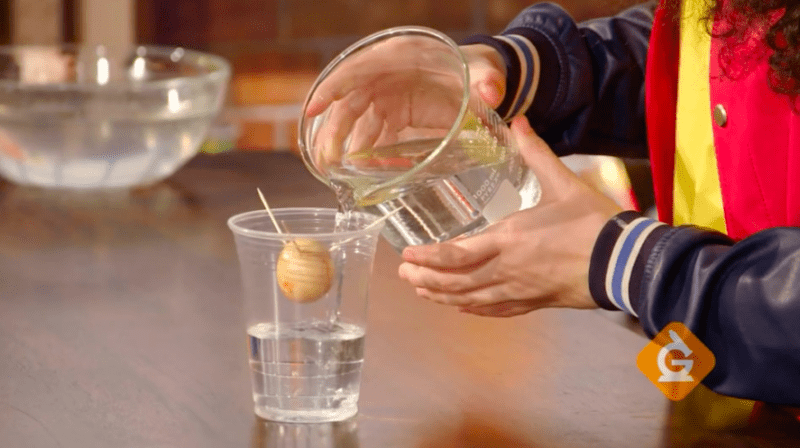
(277, 48)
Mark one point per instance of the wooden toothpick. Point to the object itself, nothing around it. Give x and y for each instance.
(269, 211)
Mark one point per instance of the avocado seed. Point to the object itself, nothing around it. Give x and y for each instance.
(304, 270)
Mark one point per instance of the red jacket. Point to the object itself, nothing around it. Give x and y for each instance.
(757, 148)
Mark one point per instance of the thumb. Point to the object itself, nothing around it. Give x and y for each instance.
(553, 175)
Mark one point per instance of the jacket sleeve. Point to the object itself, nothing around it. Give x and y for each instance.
(742, 299)
(580, 85)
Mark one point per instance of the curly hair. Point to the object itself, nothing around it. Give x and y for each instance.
(779, 20)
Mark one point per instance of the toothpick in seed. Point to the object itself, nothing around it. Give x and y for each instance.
(266, 206)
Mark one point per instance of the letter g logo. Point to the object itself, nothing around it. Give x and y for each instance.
(675, 376)
(671, 376)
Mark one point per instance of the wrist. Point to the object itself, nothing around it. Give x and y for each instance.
(619, 257)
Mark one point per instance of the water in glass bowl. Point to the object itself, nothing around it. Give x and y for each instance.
(105, 153)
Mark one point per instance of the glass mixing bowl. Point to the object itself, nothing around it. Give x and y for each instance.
(84, 117)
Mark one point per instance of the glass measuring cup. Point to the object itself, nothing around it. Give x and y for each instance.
(392, 126)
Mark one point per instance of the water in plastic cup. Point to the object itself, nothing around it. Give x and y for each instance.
(306, 356)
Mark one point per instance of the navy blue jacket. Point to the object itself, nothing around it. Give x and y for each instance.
(741, 298)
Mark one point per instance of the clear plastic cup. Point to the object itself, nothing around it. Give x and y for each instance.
(306, 295)
(392, 124)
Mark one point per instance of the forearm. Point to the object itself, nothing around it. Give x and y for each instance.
(580, 85)
(741, 299)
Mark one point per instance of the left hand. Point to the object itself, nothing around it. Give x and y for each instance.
(533, 259)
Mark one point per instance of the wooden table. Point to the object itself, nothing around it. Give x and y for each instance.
(121, 326)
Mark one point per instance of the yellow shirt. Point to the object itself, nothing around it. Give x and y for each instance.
(697, 195)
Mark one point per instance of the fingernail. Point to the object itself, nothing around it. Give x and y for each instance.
(490, 92)
(486, 89)
(401, 272)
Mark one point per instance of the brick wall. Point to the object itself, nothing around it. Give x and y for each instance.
(278, 46)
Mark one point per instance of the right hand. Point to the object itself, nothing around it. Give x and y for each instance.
(381, 95)
(535, 258)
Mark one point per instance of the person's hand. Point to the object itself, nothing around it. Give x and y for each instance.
(399, 88)
(533, 259)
